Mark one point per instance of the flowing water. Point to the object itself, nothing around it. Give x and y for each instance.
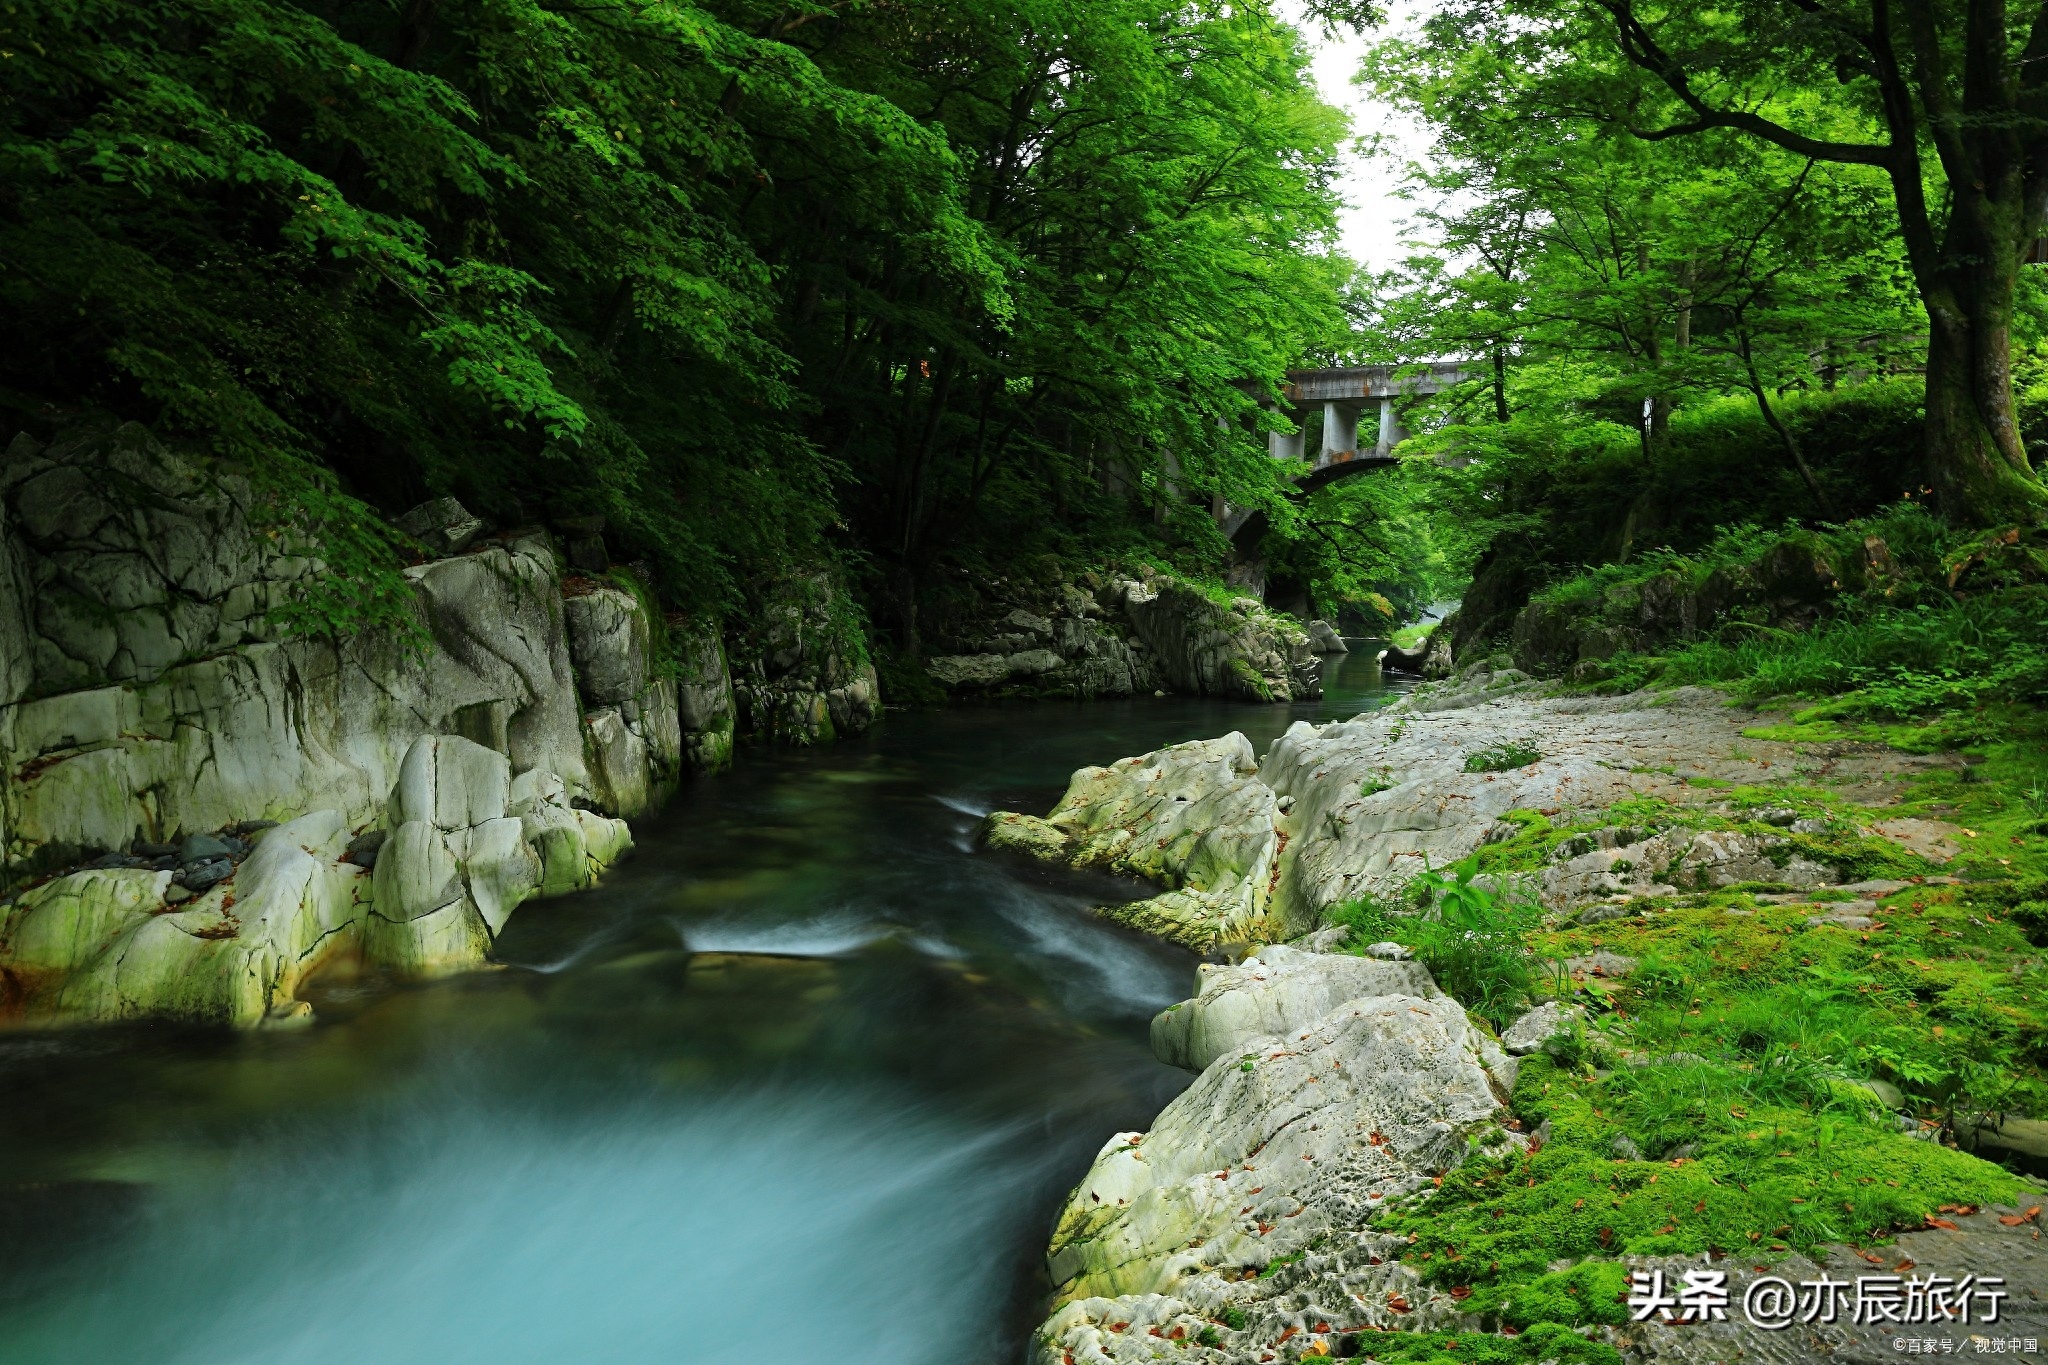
(805, 1079)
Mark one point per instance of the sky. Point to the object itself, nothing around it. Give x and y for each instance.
(1372, 223)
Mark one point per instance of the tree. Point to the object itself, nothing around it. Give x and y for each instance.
(1648, 272)
(1876, 84)
(771, 283)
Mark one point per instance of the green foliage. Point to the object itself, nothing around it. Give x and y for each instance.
(1472, 935)
(1500, 758)
(1370, 921)
(766, 286)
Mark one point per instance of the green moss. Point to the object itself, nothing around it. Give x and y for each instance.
(1546, 1342)
(1766, 1178)
(1733, 1056)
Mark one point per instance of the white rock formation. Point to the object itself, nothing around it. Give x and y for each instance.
(145, 689)
(1278, 990)
(1287, 1141)
(1530, 1032)
(103, 943)
(1194, 816)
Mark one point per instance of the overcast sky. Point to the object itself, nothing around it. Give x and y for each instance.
(1372, 222)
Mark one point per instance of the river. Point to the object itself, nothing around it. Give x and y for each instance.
(804, 1079)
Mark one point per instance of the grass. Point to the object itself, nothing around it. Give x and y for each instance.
(1921, 620)
(1742, 1057)
(1408, 637)
(1877, 664)
(1500, 758)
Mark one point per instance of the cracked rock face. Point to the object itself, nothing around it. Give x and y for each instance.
(145, 698)
(1279, 990)
(797, 679)
(1287, 1140)
(144, 693)
(1134, 637)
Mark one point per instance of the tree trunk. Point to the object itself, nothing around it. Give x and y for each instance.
(1975, 458)
(1500, 382)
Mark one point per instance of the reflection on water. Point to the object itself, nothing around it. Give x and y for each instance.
(808, 1074)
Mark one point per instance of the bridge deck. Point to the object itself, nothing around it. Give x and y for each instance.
(1357, 383)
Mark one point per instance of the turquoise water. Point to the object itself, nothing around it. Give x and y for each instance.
(805, 1079)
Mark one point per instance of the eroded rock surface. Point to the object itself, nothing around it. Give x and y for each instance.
(1278, 990)
(1328, 1087)
(1358, 808)
(798, 672)
(1117, 637)
(1194, 816)
(1287, 1140)
(467, 844)
(155, 718)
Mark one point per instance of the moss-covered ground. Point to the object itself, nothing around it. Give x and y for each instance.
(1720, 1097)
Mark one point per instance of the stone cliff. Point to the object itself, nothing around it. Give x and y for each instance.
(249, 802)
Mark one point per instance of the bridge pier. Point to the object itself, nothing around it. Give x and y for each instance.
(1283, 445)
(1392, 433)
(1340, 433)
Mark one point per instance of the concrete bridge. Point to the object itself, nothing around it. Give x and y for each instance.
(1346, 394)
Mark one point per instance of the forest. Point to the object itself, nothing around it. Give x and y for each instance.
(913, 292)
(965, 307)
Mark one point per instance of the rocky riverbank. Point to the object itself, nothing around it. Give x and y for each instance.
(1112, 635)
(1281, 1207)
(199, 807)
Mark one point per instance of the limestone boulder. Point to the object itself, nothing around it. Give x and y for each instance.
(1324, 638)
(443, 525)
(633, 733)
(1193, 816)
(799, 665)
(968, 670)
(235, 955)
(1530, 1032)
(1209, 649)
(469, 845)
(1376, 798)
(449, 783)
(1277, 991)
(56, 927)
(1285, 1140)
(704, 700)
